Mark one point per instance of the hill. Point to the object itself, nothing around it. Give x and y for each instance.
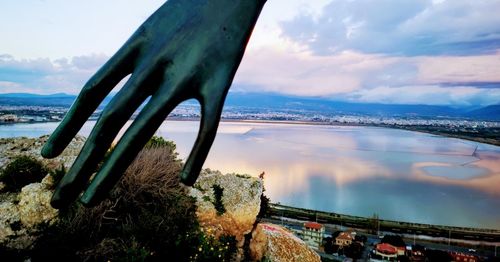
(489, 112)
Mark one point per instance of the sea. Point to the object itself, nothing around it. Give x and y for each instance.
(357, 170)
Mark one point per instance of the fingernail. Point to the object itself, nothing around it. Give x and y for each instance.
(57, 202)
(186, 178)
(46, 151)
(86, 199)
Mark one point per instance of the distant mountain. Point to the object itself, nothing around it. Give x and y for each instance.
(339, 107)
(27, 95)
(56, 100)
(283, 102)
(22, 99)
(489, 112)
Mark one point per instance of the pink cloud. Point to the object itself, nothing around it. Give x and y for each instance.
(301, 73)
(459, 69)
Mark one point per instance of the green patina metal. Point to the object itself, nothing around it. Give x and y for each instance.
(186, 49)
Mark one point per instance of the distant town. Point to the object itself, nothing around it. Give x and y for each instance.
(477, 130)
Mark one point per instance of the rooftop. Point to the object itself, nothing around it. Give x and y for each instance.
(313, 225)
(345, 236)
(386, 248)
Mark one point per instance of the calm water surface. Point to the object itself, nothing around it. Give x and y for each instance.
(399, 175)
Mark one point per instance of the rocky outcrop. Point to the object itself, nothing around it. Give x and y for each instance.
(240, 199)
(12, 147)
(24, 215)
(275, 243)
(226, 205)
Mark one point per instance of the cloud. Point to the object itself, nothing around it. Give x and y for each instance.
(409, 28)
(302, 73)
(346, 75)
(45, 76)
(376, 78)
(470, 69)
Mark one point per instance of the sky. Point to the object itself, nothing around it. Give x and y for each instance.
(435, 52)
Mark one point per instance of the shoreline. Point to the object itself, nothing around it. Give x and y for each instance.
(420, 129)
(432, 130)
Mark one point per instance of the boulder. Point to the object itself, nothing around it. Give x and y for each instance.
(34, 204)
(24, 215)
(240, 199)
(274, 243)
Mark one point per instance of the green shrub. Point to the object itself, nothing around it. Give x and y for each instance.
(264, 206)
(21, 171)
(219, 206)
(158, 141)
(264, 201)
(215, 249)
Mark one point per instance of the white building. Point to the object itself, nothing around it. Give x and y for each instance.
(312, 234)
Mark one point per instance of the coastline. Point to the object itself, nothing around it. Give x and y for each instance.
(433, 130)
(312, 123)
(421, 129)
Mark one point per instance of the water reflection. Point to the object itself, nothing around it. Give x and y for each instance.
(363, 170)
(397, 174)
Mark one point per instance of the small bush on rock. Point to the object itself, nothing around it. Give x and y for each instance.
(218, 204)
(214, 249)
(148, 216)
(21, 171)
(158, 141)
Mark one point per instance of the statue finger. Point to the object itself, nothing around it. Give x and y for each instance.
(93, 93)
(107, 127)
(131, 143)
(212, 96)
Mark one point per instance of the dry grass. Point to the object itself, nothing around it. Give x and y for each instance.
(154, 171)
(147, 215)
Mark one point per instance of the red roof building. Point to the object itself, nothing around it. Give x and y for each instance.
(312, 234)
(386, 251)
(386, 248)
(313, 225)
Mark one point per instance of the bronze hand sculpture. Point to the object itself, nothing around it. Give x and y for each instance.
(186, 49)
